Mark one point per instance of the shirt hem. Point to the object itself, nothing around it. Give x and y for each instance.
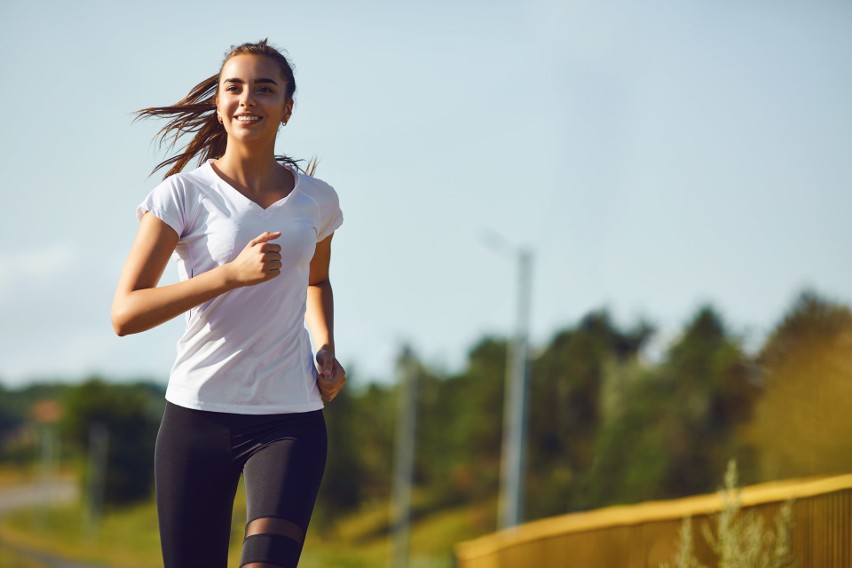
(247, 409)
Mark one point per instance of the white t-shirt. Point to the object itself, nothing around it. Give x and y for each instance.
(246, 351)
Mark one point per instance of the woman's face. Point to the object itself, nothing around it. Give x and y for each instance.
(252, 98)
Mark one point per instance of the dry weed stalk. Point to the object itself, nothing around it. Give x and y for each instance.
(741, 538)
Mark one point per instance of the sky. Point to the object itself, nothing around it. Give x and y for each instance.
(653, 157)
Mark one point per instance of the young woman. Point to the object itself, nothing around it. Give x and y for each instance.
(251, 235)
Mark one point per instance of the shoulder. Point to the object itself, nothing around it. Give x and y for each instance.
(323, 196)
(183, 187)
(319, 191)
(325, 200)
(200, 177)
(176, 198)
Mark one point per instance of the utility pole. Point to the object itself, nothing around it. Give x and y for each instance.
(404, 467)
(98, 450)
(46, 476)
(515, 403)
(46, 414)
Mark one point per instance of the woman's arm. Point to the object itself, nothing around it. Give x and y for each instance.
(319, 315)
(139, 304)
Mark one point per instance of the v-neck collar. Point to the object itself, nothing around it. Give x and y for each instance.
(228, 188)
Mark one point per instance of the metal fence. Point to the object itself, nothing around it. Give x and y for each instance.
(645, 535)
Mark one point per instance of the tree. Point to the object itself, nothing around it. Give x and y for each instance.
(342, 480)
(127, 414)
(679, 425)
(803, 421)
(568, 384)
(460, 426)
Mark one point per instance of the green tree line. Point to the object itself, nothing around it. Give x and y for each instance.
(606, 424)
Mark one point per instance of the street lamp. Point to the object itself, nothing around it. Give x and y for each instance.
(515, 398)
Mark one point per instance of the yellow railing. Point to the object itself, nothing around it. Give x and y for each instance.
(644, 535)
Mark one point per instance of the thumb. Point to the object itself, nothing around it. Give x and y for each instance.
(264, 237)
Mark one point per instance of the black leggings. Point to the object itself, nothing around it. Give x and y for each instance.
(198, 461)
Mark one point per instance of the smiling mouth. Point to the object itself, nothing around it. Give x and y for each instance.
(247, 118)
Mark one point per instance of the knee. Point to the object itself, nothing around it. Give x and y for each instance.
(272, 542)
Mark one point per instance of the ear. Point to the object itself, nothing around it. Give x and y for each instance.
(288, 111)
(218, 112)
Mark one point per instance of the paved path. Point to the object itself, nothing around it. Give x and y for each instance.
(43, 559)
(31, 494)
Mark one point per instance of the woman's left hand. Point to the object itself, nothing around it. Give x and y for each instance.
(331, 377)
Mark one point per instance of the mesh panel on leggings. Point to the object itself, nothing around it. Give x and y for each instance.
(275, 525)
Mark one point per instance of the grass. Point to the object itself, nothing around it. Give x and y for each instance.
(12, 558)
(128, 538)
(124, 540)
(10, 476)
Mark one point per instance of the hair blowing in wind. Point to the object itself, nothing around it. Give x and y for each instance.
(195, 115)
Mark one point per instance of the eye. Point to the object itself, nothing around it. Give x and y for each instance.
(264, 90)
(232, 89)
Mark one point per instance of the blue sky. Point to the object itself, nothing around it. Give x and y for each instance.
(654, 156)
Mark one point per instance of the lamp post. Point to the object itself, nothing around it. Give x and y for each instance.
(408, 372)
(515, 399)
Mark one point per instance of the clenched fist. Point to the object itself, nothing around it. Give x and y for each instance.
(258, 262)
(331, 377)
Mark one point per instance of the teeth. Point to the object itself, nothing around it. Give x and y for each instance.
(248, 118)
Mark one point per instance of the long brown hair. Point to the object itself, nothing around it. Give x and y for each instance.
(196, 113)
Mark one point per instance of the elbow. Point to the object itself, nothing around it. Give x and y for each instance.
(320, 283)
(120, 322)
(119, 327)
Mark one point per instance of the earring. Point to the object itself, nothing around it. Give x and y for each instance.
(283, 123)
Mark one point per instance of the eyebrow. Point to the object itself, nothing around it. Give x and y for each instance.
(260, 80)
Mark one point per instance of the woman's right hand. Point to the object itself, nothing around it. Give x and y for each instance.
(141, 304)
(258, 262)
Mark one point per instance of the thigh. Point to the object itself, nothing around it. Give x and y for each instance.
(282, 479)
(196, 481)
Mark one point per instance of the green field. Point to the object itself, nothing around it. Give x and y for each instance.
(128, 538)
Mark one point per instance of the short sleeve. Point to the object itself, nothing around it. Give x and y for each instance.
(331, 216)
(168, 203)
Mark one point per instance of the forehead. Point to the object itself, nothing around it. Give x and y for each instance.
(248, 67)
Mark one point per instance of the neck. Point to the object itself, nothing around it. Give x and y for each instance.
(250, 167)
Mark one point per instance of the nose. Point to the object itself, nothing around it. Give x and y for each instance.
(246, 99)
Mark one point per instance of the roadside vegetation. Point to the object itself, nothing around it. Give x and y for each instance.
(615, 416)
(739, 539)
